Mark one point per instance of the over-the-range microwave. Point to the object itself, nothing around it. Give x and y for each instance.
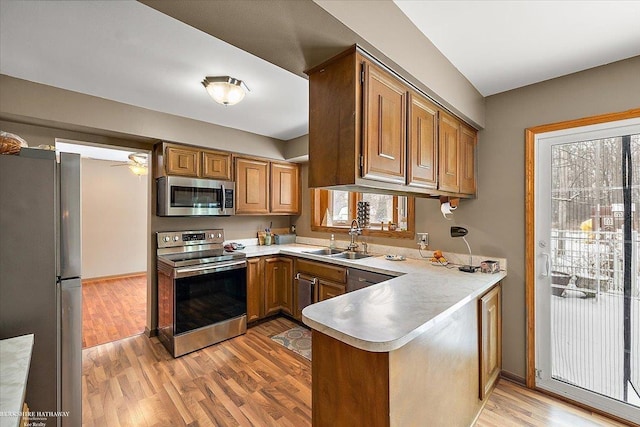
(180, 196)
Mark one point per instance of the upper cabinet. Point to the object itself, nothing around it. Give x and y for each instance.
(252, 189)
(216, 165)
(285, 188)
(384, 132)
(370, 130)
(449, 144)
(467, 164)
(423, 143)
(264, 187)
(184, 160)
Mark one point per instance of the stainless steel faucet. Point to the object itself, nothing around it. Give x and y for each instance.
(353, 232)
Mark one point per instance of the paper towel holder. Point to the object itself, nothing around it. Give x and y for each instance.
(453, 201)
(461, 232)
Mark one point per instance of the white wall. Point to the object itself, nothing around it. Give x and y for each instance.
(114, 220)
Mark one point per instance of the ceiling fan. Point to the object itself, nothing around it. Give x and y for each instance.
(138, 163)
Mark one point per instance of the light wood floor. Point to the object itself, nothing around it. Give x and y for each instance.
(113, 309)
(251, 381)
(246, 381)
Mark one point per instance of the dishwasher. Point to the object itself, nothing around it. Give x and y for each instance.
(358, 279)
(306, 290)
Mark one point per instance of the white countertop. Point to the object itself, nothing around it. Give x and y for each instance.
(386, 316)
(15, 357)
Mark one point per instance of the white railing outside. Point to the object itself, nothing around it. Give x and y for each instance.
(587, 321)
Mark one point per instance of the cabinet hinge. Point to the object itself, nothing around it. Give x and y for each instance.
(361, 161)
(539, 374)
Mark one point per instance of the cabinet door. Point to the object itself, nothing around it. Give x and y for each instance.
(252, 178)
(278, 285)
(490, 340)
(216, 165)
(467, 168)
(285, 188)
(286, 286)
(255, 289)
(328, 289)
(449, 130)
(384, 129)
(422, 143)
(182, 161)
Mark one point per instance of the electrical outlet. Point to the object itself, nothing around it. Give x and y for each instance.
(422, 239)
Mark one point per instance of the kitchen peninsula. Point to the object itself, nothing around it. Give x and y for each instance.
(408, 351)
(421, 347)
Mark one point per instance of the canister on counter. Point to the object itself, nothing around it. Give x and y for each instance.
(489, 266)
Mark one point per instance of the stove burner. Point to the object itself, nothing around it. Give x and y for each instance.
(211, 256)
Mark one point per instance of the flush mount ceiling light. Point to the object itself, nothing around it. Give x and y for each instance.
(225, 90)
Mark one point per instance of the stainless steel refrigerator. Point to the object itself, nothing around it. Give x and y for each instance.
(40, 285)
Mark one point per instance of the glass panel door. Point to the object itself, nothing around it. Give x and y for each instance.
(587, 284)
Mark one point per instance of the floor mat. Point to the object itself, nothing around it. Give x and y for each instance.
(296, 339)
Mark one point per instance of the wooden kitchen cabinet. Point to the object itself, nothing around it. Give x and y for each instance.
(182, 161)
(264, 187)
(255, 289)
(216, 165)
(252, 190)
(327, 289)
(278, 285)
(422, 142)
(285, 188)
(185, 160)
(371, 130)
(384, 131)
(490, 339)
(467, 165)
(449, 144)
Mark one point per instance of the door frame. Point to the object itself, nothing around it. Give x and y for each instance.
(530, 237)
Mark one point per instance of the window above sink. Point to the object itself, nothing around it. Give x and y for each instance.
(333, 210)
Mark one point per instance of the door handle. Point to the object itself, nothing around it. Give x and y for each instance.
(547, 264)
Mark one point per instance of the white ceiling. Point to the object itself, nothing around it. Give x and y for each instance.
(502, 45)
(128, 52)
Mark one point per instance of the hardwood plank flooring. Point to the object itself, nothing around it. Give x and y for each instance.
(246, 381)
(511, 404)
(251, 381)
(113, 309)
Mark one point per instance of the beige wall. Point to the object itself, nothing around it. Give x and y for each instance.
(496, 218)
(24, 101)
(114, 219)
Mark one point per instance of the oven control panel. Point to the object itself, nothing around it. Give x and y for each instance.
(169, 239)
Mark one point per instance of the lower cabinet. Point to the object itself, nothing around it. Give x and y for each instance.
(328, 289)
(490, 339)
(255, 289)
(278, 285)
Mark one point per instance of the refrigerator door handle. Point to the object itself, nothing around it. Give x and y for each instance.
(70, 258)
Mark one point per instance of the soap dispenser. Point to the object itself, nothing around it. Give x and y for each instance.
(332, 242)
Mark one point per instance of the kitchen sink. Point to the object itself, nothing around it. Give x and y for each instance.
(351, 255)
(324, 251)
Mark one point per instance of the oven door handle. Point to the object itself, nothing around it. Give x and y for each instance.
(208, 269)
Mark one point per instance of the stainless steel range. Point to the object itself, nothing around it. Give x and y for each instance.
(202, 290)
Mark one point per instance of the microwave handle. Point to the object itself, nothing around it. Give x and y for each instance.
(223, 204)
